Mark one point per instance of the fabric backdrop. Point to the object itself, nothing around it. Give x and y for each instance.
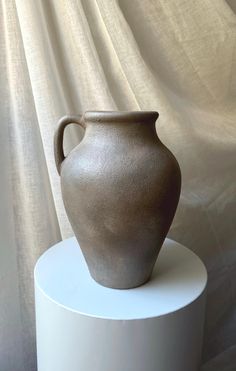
(177, 57)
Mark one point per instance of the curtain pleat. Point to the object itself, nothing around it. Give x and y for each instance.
(61, 57)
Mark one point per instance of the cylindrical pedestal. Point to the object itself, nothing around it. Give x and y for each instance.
(82, 326)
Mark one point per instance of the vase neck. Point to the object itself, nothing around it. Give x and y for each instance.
(118, 130)
(136, 125)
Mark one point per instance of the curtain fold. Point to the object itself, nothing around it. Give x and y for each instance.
(60, 57)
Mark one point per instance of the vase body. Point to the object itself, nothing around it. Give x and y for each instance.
(120, 188)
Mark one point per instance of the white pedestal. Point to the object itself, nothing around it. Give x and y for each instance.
(82, 326)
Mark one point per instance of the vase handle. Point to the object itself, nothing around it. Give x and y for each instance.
(59, 134)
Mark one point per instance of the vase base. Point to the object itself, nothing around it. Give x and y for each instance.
(111, 284)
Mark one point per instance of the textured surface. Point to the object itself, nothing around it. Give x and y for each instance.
(120, 188)
(177, 57)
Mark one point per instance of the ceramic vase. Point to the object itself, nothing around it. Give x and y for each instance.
(120, 188)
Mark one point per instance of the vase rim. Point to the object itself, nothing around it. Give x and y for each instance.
(120, 116)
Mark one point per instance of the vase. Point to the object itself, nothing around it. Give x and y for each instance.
(120, 187)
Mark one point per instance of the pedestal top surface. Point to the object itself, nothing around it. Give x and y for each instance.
(179, 278)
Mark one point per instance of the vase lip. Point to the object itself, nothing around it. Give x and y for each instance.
(120, 116)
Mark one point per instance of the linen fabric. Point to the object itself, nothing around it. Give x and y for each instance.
(177, 57)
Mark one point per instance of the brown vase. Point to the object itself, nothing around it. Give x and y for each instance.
(120, 188)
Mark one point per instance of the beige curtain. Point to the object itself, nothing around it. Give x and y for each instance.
(177, 57)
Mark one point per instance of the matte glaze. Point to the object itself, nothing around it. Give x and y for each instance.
(120, 188)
